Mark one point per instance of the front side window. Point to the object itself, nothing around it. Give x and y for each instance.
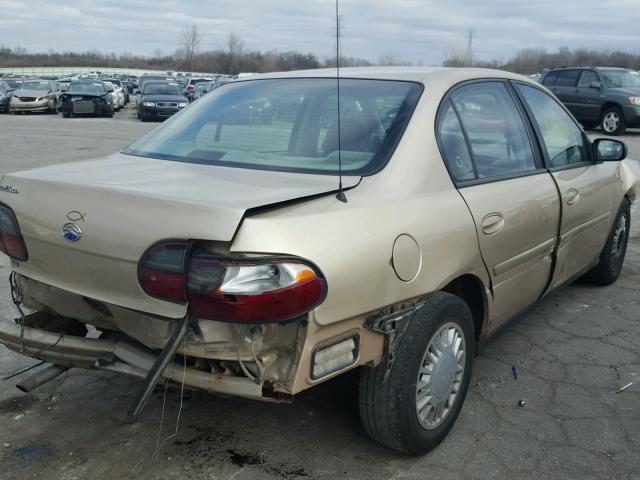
(588, 78)
(495, 129)
(562, 138)
(289, 125)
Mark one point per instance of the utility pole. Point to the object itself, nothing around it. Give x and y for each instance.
(469, 54)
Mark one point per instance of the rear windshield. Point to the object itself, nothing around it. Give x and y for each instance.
(289, 125)
(158, 88)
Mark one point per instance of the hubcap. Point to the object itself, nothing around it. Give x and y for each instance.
(611, 122)
(619, 240)
(440, 375)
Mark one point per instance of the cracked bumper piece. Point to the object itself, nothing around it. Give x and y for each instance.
(117, 356)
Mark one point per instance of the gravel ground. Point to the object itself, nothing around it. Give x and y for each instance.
(572, 351)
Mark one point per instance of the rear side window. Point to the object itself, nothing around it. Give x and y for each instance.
(562, 138)
(495, 129)
(454, 146)
(568, 78)
(588, 78)
(550, 78)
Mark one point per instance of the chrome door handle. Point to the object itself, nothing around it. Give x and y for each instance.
(572, 196)
(492, 223)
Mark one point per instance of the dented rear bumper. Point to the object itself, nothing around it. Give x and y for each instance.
(117, 356)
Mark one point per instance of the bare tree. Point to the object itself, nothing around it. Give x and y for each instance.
(190, 45)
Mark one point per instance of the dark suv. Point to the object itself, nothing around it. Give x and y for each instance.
(605, 96)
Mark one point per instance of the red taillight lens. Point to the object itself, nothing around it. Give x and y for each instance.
(161, 272)
(11, 241)
(190, 88)
(232, 289)
(272, 290)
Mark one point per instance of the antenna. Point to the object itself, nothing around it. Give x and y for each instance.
(340, 195)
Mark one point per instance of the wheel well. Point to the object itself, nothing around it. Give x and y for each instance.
(469, 288)
(608, 105)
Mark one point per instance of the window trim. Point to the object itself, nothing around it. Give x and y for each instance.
(446, 101)
(543, 147)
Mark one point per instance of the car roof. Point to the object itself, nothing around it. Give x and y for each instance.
(585, 67)
(413, 74)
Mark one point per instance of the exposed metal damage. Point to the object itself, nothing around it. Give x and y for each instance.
(251, 361)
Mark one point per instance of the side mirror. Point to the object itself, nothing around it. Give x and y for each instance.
(595, 85)
(608, 150)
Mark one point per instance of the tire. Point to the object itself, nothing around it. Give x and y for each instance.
(612, 256)
(66, 114)
(388, 395)
(612, 121)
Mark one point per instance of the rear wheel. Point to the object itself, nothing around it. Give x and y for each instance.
(612, 121)
(66, 114)
(612, 257)
(411, 403)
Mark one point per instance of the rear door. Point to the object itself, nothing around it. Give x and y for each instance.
(589, 98)
(565, 89)
(589, 190)
(514, 202)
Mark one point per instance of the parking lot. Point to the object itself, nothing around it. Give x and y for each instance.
(572, 352)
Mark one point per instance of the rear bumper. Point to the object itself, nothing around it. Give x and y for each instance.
(117, 356)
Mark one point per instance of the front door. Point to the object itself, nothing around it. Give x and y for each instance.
(589, 190)
(512, 198)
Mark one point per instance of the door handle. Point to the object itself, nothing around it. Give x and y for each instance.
(572, 196)
(492, 223)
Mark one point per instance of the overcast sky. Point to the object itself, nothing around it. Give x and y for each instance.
(409, 29)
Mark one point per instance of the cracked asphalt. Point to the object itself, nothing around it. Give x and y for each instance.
(571, 352)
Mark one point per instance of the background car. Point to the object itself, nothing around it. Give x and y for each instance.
(160, 100)
(35, 96)
(116, 93)
(5, 96)
(87, 97)
(120, 87)
(190, 86)
(202, 89)
(604, 96)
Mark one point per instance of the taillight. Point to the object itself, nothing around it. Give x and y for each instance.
(11, 241)
(190, 88)
(161, 271)
(242, 290)
(250, 291)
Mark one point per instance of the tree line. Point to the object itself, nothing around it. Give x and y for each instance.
(235, 57)
(535, 60)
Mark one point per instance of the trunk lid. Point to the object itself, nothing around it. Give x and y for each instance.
(122, 205)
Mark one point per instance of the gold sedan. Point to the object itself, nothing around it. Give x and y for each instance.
(282, 231)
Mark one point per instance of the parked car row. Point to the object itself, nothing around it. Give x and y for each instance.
(158, 96)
